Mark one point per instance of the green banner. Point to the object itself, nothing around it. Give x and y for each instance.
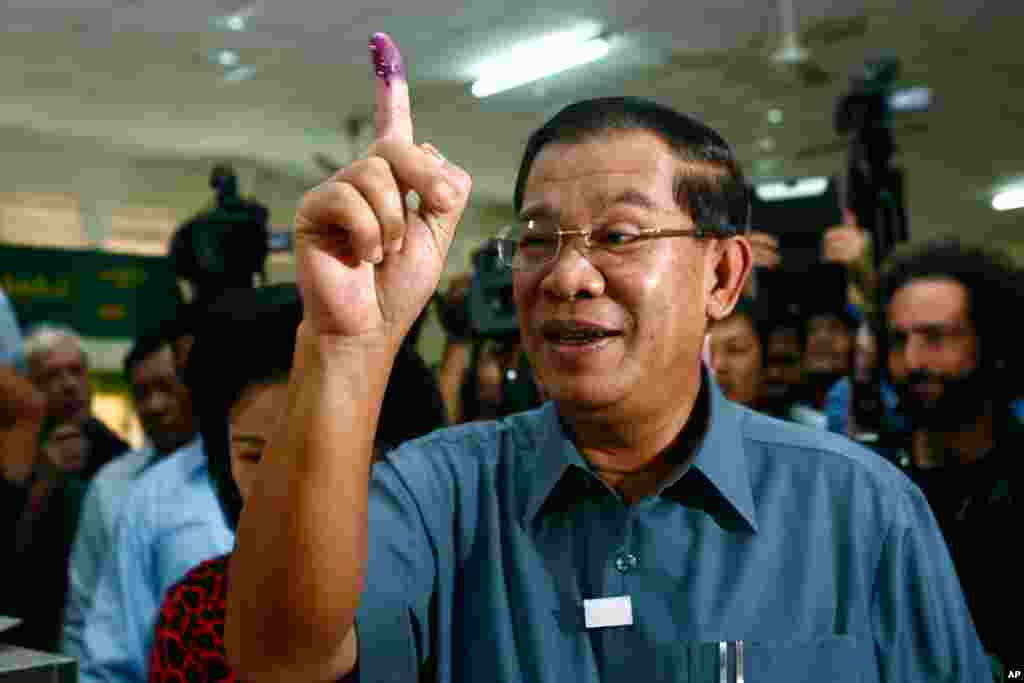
(100, 295)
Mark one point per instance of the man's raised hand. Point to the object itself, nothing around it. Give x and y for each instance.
(368, 259)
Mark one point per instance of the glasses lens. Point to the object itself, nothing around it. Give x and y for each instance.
(529, 245)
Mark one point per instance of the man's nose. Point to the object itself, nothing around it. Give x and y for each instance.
(573, 274)
(915, 353)
(67, 381)
(156, 403)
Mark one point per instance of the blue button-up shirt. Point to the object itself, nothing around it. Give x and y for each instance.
(782, 553)
(169, 522)
(95, 536)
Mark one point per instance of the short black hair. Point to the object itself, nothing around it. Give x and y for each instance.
(992, 282)
(244, 337)
(713, 192)
(746, 306)
(146, 344)
(183, 323)
(248, 337)
(772, 317)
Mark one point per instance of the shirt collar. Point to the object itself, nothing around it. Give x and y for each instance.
(721, 457)
(152, 456)
(721, 460)
(554, 455)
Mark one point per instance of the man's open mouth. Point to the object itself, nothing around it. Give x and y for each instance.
(575, 332)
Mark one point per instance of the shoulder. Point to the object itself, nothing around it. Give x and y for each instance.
(816, 457)
(124, 467)
(475, 442)
(161, 485)
(465, 459)
(172, 469)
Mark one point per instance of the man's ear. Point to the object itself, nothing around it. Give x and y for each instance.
(731, 262)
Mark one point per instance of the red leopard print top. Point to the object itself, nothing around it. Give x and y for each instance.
(189, 644)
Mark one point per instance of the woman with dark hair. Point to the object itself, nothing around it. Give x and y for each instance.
(241, 398)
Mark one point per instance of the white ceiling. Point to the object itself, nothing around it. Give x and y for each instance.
(136, 75)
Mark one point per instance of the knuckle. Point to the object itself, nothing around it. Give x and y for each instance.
(376, 168)
(344, 192)
(382, 148)
(460, 179)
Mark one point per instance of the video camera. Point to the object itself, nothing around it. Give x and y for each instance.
(487, 315)
(224, 247)
(492, 311)
(875, 188)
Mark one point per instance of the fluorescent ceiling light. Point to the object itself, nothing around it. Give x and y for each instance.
(1009, 200)
(539, 59)
(805, 187)
(916, 99)
(226, 58)
(232, 22)
(240, 73)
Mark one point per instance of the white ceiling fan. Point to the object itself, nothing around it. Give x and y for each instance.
(783, 60)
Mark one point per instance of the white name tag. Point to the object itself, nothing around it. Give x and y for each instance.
(604, 612)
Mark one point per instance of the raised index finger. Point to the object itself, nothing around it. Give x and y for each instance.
(393, 117)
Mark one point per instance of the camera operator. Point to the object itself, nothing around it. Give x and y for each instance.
(223, 248)
(484, 373)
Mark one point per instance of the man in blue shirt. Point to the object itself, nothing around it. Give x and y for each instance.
(169, 522)
(637, 527)
(164, 406)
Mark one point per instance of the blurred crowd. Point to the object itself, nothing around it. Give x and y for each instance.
(916, 360)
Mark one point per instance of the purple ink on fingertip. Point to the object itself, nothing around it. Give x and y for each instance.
(387, 60)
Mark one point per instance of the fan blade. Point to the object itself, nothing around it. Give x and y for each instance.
(830, 31)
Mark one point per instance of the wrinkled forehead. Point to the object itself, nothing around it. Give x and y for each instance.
(64, 353)
(634, 168)
(931, 300)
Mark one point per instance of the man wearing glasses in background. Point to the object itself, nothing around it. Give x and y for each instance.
(639, 526)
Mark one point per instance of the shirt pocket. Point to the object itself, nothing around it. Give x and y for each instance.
(837, 659)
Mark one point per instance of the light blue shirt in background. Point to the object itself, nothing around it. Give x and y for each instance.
(93, 543)
(11, 347)
(788, 551)
(169, 522)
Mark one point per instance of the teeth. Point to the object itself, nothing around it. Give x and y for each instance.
(582, 336)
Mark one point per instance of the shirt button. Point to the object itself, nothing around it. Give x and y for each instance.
(625, 562)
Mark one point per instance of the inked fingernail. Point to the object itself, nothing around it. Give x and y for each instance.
(387, 60)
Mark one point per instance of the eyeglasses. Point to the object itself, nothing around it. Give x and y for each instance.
(535, 244)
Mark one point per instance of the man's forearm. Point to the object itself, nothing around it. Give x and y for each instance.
(297, 570)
